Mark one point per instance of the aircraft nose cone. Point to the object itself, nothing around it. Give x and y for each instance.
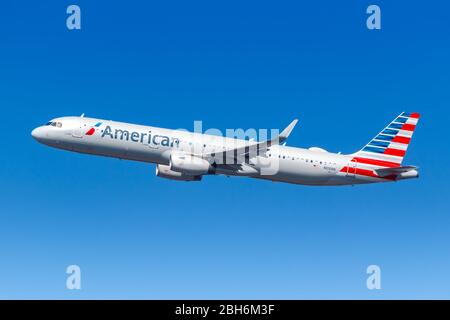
(38, 133)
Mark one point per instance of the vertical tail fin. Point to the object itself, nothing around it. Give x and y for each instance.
(389, 147)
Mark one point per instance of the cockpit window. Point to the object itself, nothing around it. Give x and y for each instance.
(54, 124)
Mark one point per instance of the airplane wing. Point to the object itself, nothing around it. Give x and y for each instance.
(256, 148)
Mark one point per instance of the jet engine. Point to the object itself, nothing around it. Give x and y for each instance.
(164, 171)
(189, 164)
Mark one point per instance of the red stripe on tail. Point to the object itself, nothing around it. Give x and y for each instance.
(400, 139)
(408, 127)
(395, 152)
(367, 173)
(376, 162)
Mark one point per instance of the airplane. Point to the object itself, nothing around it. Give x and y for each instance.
(188, 156)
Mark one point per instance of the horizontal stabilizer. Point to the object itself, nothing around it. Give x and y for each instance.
(394, 171)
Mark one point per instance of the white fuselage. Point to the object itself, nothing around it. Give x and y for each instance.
(157, 145)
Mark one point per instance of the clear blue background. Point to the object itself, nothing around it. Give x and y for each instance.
(233, 64)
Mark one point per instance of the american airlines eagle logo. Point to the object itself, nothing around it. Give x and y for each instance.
(91, 131)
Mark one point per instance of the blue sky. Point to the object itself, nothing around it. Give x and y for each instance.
(234, 64)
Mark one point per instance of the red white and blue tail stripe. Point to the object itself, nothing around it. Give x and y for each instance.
(387, 149)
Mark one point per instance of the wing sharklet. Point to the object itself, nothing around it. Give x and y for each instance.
(287, 131)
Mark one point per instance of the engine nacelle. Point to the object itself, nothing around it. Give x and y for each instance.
(188, 164)
(164, 171)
